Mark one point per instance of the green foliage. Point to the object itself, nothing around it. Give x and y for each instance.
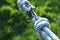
(14, 24)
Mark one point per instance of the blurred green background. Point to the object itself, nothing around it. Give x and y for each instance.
(14, 24)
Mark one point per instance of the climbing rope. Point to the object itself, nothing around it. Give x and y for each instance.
(41, 25)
